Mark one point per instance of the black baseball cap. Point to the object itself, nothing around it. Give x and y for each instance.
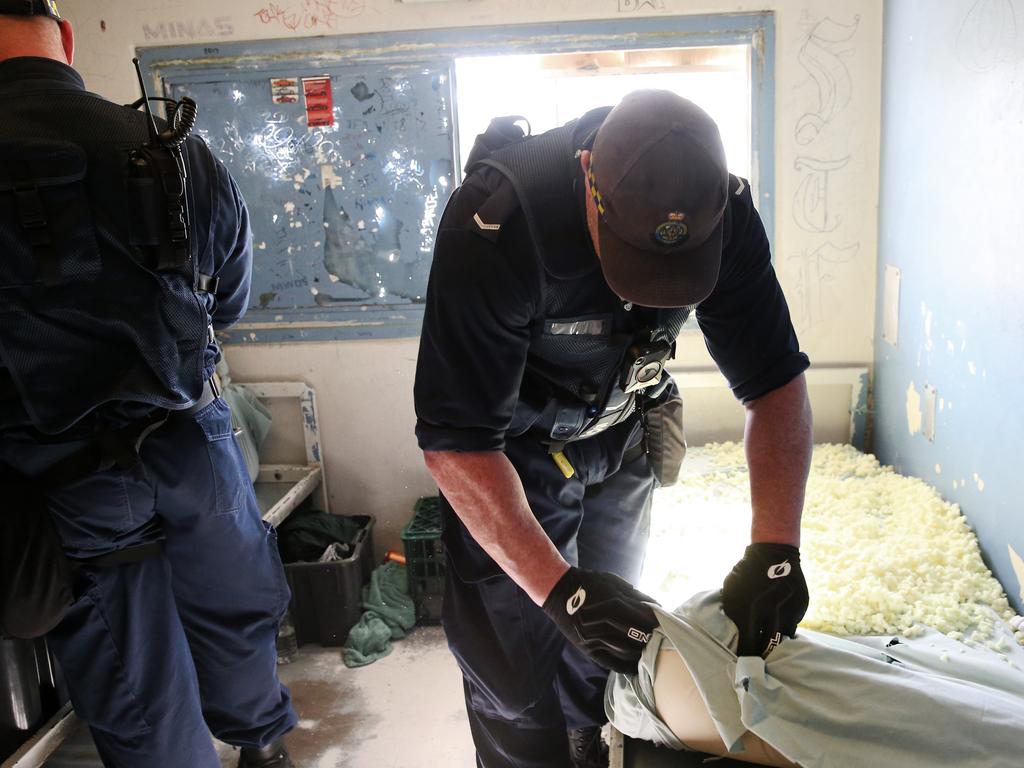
(659, 178)
(30, 8)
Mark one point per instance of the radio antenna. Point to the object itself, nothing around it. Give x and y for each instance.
(154, 134)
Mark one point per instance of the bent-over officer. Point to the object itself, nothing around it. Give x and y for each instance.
(565, 266)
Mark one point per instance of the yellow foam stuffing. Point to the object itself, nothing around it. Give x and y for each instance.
(882, 553)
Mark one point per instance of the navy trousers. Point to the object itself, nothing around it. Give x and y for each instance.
(526, 686)
(159, 653)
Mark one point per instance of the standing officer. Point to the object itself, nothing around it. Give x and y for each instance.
(565, 266)
(114, 269)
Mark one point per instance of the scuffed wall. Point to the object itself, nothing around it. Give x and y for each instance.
(827, 91)
(948, 362)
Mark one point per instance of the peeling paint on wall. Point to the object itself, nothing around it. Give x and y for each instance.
(307, 404)
(859, 418)
(913, 409)
(1018, 568)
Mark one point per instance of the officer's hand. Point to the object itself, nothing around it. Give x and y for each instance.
(766, 596)
(604, 616)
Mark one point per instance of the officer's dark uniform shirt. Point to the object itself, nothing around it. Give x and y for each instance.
(486, 302)
(220, 220)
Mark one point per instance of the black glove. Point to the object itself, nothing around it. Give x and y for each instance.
(766, 596)
(602, 615)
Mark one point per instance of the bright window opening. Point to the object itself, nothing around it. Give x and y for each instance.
(551, 89)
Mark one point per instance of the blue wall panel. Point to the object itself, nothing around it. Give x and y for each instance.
(951, 220)
(342, 215)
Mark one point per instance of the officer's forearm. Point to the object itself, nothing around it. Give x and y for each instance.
(778, 445)
(486, 493)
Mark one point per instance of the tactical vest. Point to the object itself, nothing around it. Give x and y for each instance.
(573, 384)
(95, 306)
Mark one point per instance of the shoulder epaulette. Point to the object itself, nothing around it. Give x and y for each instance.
(738, 185)
(494, 211)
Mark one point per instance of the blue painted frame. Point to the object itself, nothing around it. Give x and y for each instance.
(171, 64)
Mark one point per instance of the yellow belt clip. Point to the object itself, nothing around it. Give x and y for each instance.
(563, 464)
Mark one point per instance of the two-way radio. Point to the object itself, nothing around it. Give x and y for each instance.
(181, 115)
(159, 167)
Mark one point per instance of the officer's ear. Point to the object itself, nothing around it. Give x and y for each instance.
(585, 160)
(67, 40)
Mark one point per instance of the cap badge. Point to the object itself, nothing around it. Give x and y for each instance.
(673, 231)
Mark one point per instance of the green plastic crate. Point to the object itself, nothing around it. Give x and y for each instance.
(424, 558)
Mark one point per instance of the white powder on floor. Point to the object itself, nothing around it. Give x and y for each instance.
(330, 759)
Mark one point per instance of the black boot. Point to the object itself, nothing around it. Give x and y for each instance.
(587, 749)
(274, 755)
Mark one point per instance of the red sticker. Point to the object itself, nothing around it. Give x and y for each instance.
(319, 101)
(284, 90)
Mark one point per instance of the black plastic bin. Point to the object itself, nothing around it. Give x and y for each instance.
(327, 597)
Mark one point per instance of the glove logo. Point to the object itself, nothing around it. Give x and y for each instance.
(636, 634)
(780, 570)
(576, 602)
(775, 642)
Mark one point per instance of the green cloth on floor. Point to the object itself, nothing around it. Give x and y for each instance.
(388, 613)
(305, 535)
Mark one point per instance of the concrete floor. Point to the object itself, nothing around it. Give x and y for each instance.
(404, 711)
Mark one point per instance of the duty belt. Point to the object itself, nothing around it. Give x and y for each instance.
(120, 447)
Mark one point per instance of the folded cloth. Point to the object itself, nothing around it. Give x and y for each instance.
(829, 702)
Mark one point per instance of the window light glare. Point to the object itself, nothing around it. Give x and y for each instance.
(551, 89)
